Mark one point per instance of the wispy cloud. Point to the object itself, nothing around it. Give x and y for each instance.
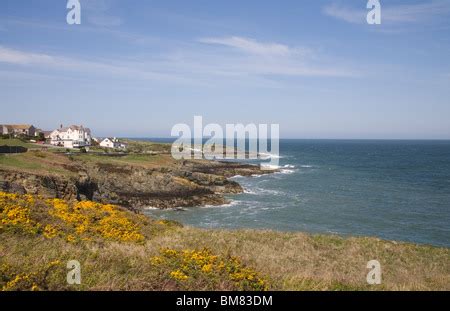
(107, 67)
(250, 46)
(12, 56)
(131, 37)
(270, 58)
(347, 14)
(392, 14)
(194, 63)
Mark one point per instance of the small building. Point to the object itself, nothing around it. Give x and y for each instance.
(112, 143)
(74, 136)
(46, 134)
(4, 129)
(18, 129)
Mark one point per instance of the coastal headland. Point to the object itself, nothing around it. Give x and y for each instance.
(147, 176)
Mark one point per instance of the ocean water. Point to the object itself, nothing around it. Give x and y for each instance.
(395, 190)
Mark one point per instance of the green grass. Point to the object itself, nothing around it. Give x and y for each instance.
(19, 162)
(17, 142)
(146, 147)
(38, 162)
(144, 160)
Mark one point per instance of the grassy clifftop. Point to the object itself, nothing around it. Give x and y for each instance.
(121, 250)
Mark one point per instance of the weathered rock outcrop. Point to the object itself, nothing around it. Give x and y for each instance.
(187, 184)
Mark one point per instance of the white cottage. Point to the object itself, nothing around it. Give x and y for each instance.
(74, 136)
(112, 143)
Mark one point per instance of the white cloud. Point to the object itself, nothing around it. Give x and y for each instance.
(250, 46)
(347, 14)
(12, 56)
(111, 68)
(258, 58)
(394, 14)
(188, 65)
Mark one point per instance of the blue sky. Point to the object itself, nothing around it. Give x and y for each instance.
(136, 68)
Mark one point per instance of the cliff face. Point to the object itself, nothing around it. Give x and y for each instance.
(181, 185)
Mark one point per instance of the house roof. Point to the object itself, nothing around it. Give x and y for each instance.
(18, 126)
(74, 128)
(113, 139)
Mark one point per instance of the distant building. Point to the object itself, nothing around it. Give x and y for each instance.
(3, 129)
(47, 134)
(18, 129)
(74, 136)
(112, 143)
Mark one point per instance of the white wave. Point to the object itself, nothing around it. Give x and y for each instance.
(306, 166)
(248, 191)
(232, 203)
(257, 175)
(178, 208)
(259, 190)
(286, 171)
(276, 167)
(266, 156)
(236, 176)
(269, 167)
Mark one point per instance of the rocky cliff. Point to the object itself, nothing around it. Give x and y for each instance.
(181, 184)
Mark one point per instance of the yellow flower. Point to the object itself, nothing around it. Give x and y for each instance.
(50, 231)
(207, 268)
(178, 275)
(156, 261)
(71, 238)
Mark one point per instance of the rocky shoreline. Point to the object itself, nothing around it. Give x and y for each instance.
(181, 184)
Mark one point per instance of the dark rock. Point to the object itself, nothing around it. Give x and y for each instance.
(187, 184)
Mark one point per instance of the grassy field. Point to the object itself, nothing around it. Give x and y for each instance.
(120, 250)
(18, 142)
(146, 147)
(39, 162)
(143, 160)
(46, 161)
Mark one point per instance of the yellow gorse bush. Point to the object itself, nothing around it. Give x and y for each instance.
(105, 220)
(15, 212)
(196, 265)
(11, 280)
(78, 220)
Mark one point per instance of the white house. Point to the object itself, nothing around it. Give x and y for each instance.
(112, 143)
(74, 136)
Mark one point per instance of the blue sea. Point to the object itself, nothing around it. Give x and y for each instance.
(395, 190)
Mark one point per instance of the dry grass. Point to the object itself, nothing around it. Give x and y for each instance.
(298, 261)
(290, 261)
